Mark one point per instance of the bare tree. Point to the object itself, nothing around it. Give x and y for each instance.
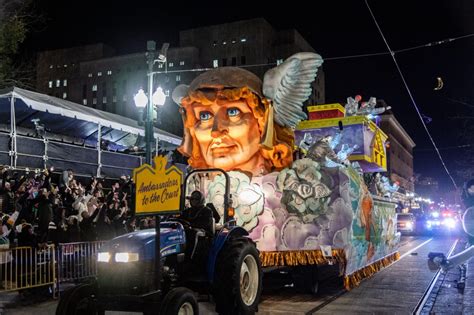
(17, 18)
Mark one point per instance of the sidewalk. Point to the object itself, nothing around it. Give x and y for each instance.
(468, 302)
(395, 289)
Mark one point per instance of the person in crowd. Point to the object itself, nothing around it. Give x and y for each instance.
(66, 177)
(74, 232)
(52, 234)
(87, 225)
(45, 214)
(8, 196)
(27, 238)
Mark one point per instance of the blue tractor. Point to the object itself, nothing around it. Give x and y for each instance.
(224, 264)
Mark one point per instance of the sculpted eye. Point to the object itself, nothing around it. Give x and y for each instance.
(232, 112)
(205, 115)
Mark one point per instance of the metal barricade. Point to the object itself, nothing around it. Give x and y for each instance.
(77, 261)
(26, 267)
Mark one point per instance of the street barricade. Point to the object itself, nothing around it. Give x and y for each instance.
(77, 261)
(25, 268)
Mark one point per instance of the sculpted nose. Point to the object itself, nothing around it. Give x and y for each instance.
(219, 127)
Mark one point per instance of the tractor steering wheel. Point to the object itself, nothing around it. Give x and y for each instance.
(185, 223)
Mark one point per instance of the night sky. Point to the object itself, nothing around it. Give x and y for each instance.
(334, 28)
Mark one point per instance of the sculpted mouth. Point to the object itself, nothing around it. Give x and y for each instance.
(222, 150)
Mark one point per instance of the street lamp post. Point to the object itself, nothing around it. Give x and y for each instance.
(146, 103)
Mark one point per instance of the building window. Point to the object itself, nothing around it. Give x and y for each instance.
(124, 98)
(181, 63)
(109, 72)
(167, 92)
(224, 42)
(94, 87)
(242, 60)
(234, 61)
(94, 101)
(64, 95)
(233, 41)
(65, 66)
(224, 62)
(279, 61)
(114, 99)
(170, 65)
(160, 65)
(178, 78)
(58, 83)
(50, 84)
(215, 63)
(99, 74)
(84, 101)
(65, 82)
(51, 66)
(104, 99)
(243, 40)
(90, 75)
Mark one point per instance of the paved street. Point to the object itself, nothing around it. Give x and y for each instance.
(395, 290)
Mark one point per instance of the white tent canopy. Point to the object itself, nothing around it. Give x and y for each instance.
(56, 106)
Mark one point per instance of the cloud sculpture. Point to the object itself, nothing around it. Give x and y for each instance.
(247, 198)
(303, 191)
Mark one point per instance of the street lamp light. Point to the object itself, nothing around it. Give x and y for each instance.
(142, 102)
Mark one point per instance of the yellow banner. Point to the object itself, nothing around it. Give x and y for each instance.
(158, 190)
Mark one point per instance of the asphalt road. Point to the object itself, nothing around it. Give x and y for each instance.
(395, 289)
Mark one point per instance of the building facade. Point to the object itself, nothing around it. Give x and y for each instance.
(400, 152)
(95, 76)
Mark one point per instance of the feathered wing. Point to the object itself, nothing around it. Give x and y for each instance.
(289, 86)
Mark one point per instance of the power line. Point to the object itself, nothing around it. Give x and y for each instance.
(445, 148)
(460, 102)
(383, 53)
(392, 53)
(357, 56)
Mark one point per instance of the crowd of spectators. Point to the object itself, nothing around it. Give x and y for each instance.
(37, 210)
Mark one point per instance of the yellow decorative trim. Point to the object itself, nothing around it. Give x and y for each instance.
(332, 122)
(317, 108)
(353, 280)
(358, 157)
(302, 257)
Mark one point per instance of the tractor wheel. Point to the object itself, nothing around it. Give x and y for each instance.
(238, 278)
(179, 301)
(77, 301)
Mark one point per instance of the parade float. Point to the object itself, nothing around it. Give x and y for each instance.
(297, 184)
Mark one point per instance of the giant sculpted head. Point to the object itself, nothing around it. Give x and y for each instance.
(229, 123)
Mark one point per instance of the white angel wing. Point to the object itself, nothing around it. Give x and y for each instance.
(289, 85)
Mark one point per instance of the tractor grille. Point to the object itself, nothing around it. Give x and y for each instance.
(133, 278)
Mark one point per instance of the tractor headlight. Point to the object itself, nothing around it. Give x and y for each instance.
(103, 257)
(126, 257)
